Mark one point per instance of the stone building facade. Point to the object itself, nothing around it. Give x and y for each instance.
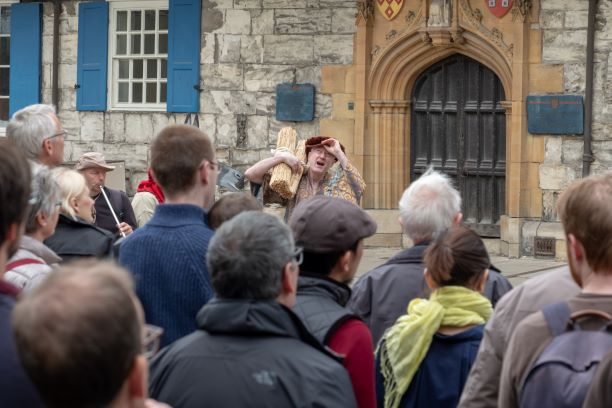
(366, 69)
(248, 47)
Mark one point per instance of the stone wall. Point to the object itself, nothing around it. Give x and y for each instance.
(563, 28)
(248, 47)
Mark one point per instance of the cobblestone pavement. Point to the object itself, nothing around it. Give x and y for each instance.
(517, 270)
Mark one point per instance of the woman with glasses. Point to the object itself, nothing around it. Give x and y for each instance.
(424, 359)
(32, 262)
(76, 236)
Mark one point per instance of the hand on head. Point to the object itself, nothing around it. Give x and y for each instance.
(332, 146)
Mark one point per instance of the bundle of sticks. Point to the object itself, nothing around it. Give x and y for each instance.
(284, 181)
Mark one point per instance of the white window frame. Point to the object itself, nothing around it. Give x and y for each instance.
(5, 3)
(113, 67)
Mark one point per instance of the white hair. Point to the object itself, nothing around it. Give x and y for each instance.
(71, 185)
(429, 206)
(30, 126)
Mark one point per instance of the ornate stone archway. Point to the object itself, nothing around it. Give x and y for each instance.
(385, 75)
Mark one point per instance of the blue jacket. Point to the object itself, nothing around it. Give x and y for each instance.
(441, 376)
(167, 258)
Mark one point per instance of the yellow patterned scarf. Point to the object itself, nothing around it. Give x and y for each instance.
(404, 346)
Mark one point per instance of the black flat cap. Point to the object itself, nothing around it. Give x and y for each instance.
(326, 224)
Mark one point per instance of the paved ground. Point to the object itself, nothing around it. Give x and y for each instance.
(517, 270)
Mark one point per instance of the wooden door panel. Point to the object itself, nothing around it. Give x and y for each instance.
(458, 126)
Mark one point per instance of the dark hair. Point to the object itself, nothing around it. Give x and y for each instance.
(457, 257)
(15, 186)
(78, 334)
(323, 263)
(247, 254)
(230, 205)
(176, 154)
(584, 209)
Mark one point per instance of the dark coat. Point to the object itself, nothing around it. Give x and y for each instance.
(321, 305)
(122, 207)
(442, 374)
(249, 354)
(382, 295)
(16, 390)
(75, 238)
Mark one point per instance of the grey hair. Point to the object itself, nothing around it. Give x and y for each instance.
(44, 195)
(429, 206)
(247, 254)
(30, 126)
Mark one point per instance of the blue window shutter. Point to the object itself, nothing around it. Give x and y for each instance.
(92, 59)
(183, 56)
(24, 82)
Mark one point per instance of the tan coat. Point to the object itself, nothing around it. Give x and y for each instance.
(482, 386)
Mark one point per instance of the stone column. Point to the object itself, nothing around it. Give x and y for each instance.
(387, 156)
(362, 60)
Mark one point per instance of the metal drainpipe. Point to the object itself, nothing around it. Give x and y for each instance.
(57, 9)
(587, 157)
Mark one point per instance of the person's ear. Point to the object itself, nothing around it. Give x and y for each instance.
(429, 280)
(344, 262)
(575, 248)
(289, 279)
(47, 146)
(482, 281)
(12, 232)
(204, 171)
(138, 378)
(41, 219)
(458, 218)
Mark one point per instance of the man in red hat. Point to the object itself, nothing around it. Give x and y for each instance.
(320, 177)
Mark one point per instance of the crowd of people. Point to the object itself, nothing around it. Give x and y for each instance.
(177, 299)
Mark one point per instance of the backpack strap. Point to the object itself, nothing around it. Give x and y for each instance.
(24, 261)
(557, 315)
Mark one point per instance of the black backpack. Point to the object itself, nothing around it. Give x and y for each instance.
(562, 374)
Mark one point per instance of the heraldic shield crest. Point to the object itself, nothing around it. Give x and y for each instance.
(390, 8)
(499, 7)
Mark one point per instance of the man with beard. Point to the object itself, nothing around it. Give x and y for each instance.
(331, 231)
(16, 390)
(584, 210)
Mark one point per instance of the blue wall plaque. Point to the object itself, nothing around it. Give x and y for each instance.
(295, 102)
(555, 114)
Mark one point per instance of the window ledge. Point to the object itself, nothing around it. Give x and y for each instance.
(137, 109)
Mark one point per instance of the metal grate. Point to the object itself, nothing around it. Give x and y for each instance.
(544, 247)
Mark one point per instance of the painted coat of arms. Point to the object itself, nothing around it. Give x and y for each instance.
(499, 7)
(389, 8)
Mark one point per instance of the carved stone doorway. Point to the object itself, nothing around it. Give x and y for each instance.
(458, 126)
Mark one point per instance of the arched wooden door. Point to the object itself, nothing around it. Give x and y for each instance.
(459, 126)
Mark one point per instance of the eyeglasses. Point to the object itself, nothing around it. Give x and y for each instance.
(63, 133)
(298, 255)
(151, 339)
